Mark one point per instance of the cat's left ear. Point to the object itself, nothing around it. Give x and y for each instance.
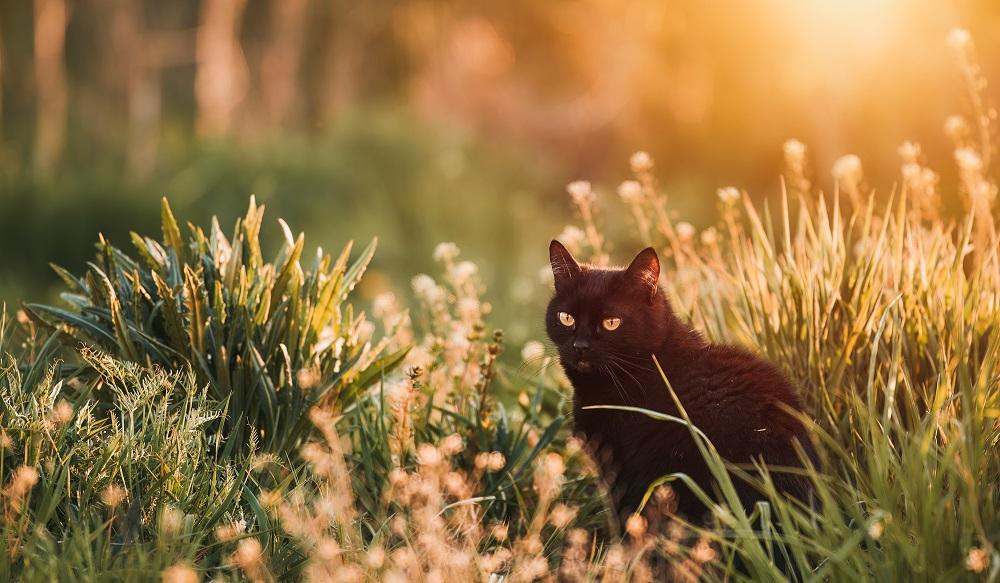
(645, 270)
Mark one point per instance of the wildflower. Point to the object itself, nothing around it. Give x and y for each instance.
(549, 474)
(909, 151)
(228, 532)
(495, 461)
(269, 498)
(249, 557)
(113, 496)
(523, 399)
(398, 526)
(179, 573)
(875, 529)
(24, 479)
(532, 436)
(446, 252)
(532, 350)
(171, 521)
(22, 317)
(665, 499)
(62, 413)
(685, 231)
(703, 551)
(469, 310)
(847, 169)
(428, 455)
(630, 191)
(956, 128)
(454, 484)
(307, 378)
(545, 276)
(795, 152)
(463, 271)
(375, 558)
(500, 531)
(561, 515)
(573, 237)
(385, 304)
(959, 39)
(5, 440)
(709, 237)
(427, 289)
(452, 444)
(581, 192)
(977, 560)
(729, 195)
(641, 162)
(635, 526)
(968, 160)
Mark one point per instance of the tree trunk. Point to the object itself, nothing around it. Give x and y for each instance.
(142, 88)
(221, 77)
(281, 58)
(50, 82)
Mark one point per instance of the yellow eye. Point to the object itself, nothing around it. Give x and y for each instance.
(566, 319)
(611, 323)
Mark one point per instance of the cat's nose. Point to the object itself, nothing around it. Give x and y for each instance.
(581, 345)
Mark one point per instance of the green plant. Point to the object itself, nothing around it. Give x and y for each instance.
(270, 339)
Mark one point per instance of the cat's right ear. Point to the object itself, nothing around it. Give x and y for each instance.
(564, 267)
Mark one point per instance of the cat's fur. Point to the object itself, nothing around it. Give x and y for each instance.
(739, 400)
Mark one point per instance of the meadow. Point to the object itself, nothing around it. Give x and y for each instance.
(213, 399)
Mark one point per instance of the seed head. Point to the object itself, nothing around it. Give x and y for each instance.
(179, 573)
(446, 252)
(635, 526)
(729, 195)
(959, 39)
(581, 192)
(977, 560)
(113, 496)
(630, 191)
(685, 232)
(532, 350)
(641, 162)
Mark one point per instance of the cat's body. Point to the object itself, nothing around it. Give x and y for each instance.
(608, 324)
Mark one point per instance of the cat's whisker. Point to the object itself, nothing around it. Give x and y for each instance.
(618, 386)
(641, 386)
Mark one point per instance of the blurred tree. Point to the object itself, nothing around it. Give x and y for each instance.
(50, 81)
(221, 81)
(280, 60)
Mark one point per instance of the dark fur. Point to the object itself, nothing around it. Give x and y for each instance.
(736, 398)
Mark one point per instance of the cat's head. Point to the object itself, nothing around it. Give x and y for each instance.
(600, 316)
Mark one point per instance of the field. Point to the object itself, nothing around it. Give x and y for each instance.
(211, 396)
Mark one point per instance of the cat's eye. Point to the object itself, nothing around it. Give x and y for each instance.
(566, 319)
(611, 323)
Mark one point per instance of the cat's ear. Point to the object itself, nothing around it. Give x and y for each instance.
(564, 267)
(645, 270)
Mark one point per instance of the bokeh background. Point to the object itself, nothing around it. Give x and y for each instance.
(426, 121)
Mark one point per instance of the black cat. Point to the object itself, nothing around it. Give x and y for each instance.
(607, 325)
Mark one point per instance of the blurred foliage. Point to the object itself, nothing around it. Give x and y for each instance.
(430, 121)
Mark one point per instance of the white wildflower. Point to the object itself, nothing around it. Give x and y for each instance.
(641, 162)
(685, 231)
(630, 191)
(532, 350)
(445, 252)
(581, 192)
(729, 195)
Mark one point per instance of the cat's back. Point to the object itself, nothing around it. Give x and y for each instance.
(734, 392)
